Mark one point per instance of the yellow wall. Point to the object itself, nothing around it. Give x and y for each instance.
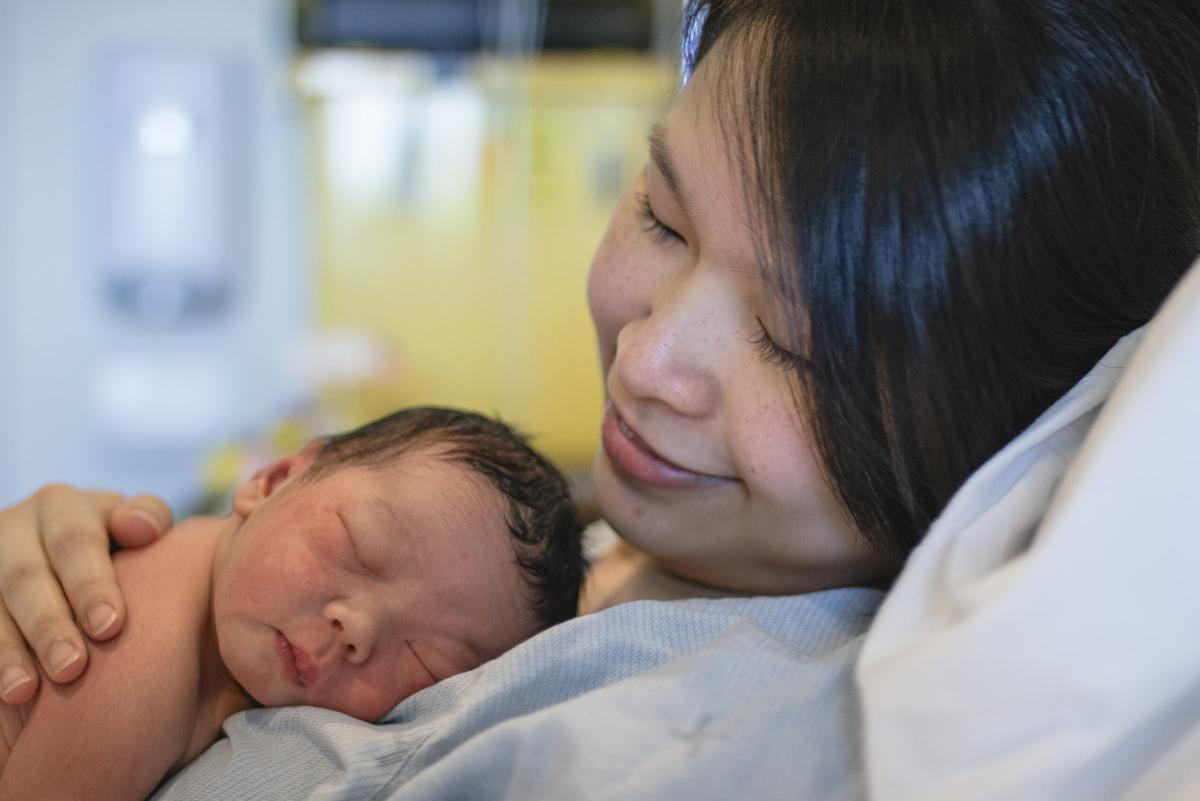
(467, 253)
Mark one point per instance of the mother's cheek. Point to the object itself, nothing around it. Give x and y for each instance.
(608, 299)
(605, 321)
(775, 453)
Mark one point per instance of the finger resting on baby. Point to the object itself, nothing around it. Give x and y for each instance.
(74, 530)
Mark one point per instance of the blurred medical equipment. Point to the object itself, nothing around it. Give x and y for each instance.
(153, 258)
(174, 186)
(192, 197)
(501, 26)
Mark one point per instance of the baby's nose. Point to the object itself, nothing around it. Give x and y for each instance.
(352, 631)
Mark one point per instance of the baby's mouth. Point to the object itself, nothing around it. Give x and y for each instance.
(292, 664)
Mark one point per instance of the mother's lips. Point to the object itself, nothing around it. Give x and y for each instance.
(632, 457)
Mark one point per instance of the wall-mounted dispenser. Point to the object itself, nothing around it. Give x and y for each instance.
(172, 189)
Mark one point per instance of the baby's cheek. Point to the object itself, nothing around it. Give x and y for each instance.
(372, 697)
(311, 566)
(372, 710)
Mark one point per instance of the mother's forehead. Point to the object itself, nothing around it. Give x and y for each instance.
(709, 121)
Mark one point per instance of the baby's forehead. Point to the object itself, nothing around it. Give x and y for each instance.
(469, 514)
(429, 486)
(441, 465)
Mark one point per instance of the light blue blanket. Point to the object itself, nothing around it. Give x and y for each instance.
(699, 699)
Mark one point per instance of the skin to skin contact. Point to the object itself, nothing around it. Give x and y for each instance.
(351, 592)
(970, 203)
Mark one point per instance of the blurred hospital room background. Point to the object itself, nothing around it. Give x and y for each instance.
(229, 225)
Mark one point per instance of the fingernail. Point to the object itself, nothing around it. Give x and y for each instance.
(155, 524)
(12, 678)
(61, 656)
(100, 618)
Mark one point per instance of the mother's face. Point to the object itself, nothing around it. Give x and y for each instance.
(706, 464)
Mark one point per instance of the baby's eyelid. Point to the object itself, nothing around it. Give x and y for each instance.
(371, 570)
(421, 661)
(358, 557)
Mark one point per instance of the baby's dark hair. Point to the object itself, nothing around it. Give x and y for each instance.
(540, 514)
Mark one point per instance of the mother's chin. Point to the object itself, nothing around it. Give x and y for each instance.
(723, 543)
(687, 536)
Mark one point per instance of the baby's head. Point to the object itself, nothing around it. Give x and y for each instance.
(375, 563)
(535, 504)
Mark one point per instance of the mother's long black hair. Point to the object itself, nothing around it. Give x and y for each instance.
(967, 202)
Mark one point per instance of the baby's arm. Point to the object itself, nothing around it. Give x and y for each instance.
(120, 730)
(114, 735)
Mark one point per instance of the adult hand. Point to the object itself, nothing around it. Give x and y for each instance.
(56, 569)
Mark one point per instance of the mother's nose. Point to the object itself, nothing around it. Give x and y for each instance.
(673, 354)
(353, 631)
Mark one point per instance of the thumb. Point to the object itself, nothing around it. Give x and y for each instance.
(139, 521)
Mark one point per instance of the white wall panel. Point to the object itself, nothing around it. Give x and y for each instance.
(9, 422)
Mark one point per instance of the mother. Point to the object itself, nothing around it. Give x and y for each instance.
(873, 241)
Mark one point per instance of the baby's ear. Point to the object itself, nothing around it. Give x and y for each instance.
(273, 477)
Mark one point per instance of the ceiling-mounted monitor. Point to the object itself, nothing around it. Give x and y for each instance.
(478, 25)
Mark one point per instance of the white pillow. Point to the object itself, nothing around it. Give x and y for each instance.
(1043, 642)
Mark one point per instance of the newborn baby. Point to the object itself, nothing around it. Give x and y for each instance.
(350, 575)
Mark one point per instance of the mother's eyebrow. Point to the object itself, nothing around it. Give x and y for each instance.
(660, 154)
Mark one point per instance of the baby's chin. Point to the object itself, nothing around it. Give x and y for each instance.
(368, 713)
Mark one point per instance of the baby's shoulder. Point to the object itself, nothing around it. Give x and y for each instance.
(130, 719)
(171, 575)
(167, 588)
